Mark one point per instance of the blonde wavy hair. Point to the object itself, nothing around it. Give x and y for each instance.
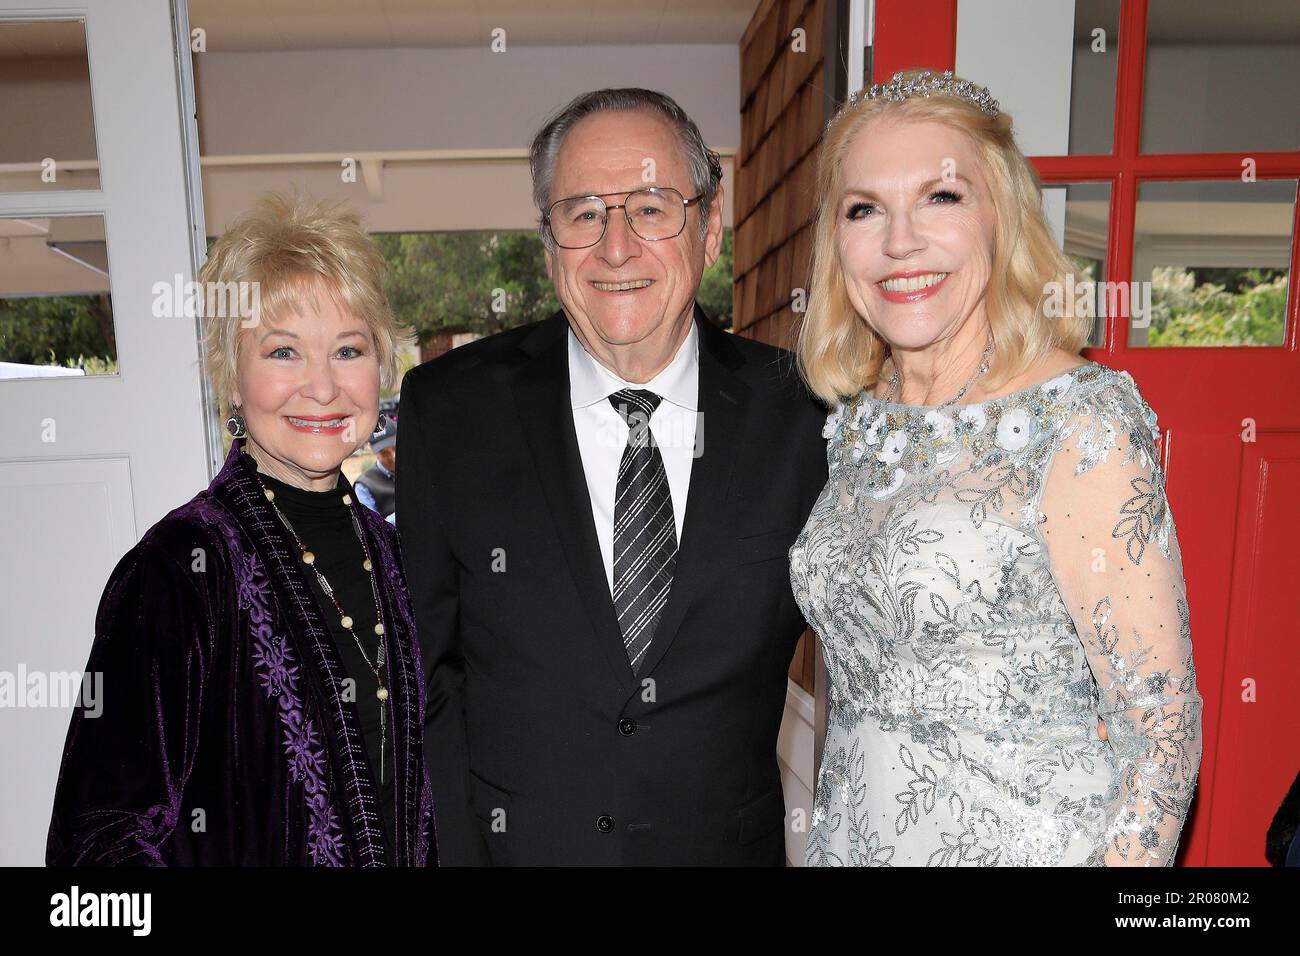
(294, 249)
(838, 352)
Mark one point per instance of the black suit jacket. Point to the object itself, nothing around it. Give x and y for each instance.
(542, 745)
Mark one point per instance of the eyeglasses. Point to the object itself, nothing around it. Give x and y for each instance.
(653, 213)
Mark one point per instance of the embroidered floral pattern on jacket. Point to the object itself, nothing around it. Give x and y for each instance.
(278, 675)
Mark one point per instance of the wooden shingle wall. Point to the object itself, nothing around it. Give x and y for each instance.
(784, 103)
(782, 117)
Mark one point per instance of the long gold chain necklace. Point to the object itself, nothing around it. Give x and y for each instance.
(345, 620)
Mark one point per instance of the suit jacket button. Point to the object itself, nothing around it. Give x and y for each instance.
(627, 726)
(605, 823)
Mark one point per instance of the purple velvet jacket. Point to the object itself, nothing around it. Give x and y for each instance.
(225, 736)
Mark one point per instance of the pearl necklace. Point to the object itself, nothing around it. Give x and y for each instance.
(983, 367)
(309, 559)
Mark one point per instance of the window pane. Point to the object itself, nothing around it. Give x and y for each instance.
(1213, 260)
(1222, 76)
(56, 312)
(1079, 214)
(49, 131)
(1092, 87)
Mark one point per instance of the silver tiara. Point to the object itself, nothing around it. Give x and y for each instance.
(928, 83)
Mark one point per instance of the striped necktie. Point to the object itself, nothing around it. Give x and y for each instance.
(645, 531)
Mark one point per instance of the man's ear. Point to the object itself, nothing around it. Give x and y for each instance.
(550, 262)
(713, 237)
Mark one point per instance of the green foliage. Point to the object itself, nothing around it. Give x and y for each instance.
(714, 295)
(437, 282)
(57, 330)
(91, 364)
(1187, 312)
(449, 281)
(1085, 268)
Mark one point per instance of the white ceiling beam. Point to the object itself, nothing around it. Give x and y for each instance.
(372, 171)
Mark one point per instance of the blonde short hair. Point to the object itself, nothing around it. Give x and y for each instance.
(294, 248)
(839, 354)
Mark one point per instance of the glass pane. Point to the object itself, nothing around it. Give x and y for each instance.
(1079, 214)
(56, 312)
(1222, 76)
(49, 130)
(1092, 86)
(1212, 260)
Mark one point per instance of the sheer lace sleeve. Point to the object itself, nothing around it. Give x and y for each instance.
(1114, 553)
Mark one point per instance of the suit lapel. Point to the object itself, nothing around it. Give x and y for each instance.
(541, 390)
(724, 407)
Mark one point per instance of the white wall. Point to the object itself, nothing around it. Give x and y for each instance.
(416, 196)
(482, 106)
(323, 105)
(1022, 50)
(340, 100)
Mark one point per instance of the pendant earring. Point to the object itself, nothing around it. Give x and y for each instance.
(235, 425)
(381, 425)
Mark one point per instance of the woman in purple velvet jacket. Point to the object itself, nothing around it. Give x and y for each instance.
(264, 688)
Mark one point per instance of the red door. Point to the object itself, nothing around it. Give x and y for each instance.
(1194, 193)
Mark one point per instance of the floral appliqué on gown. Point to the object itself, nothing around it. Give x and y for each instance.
(988, 580)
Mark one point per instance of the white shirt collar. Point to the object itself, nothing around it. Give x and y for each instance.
(678, 383)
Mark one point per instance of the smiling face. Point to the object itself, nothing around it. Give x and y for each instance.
(626, 295)
(308, 391)
(914, 232)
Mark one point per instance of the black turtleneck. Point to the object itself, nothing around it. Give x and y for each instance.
(324, 524)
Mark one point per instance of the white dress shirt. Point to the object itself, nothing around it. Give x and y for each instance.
(602, 431)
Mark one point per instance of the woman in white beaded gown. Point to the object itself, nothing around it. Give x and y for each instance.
(992, 568)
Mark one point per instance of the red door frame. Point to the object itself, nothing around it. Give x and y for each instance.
(1204, 397)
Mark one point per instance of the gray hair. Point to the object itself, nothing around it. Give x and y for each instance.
(702, 163)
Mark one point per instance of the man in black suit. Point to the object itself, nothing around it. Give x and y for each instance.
(596, 511)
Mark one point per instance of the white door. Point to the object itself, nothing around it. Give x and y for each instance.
(88, 463)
